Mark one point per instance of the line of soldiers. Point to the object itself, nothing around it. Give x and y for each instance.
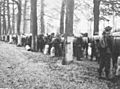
(101, 48)
(44, 43)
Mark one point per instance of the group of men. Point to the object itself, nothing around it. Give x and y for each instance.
(101, 48)
(47, 42)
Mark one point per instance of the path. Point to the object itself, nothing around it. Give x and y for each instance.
(21, 69)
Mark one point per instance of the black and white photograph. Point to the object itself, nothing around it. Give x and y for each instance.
(59, 44)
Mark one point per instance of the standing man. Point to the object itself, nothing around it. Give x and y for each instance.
(79, 45)
(105, 53)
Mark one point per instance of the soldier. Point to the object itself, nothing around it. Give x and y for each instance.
(79, 45)
(74, 46)
(97, 47)
(40, 43)
(85, 44)
(93, 50)
(105, 53)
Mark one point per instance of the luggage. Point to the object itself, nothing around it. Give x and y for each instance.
(27, 47)
(89, 49)
(118, 66)
(46, 49)
(52, 52)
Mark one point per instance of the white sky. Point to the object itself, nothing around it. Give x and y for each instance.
(82, 26)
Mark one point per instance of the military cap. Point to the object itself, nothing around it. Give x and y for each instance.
(108, 29)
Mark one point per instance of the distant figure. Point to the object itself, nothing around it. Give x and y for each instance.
(85, 45)
(79, 45)
(93, 54)
(97, 47)
(95, 50)
(75, 47)
(40, 43)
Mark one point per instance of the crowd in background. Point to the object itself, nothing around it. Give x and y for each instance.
(98, 49)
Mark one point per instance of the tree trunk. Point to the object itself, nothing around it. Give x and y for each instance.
(33, 24)
(4, 19)
(8, 13)
(13, 18)
(24, 16)
(42, 17)
(69, 17)
(62, 17)
(12, 31)
(18, 21)
(0, 22)
(69, 32)
(19, 17)
(96, 16)
(1, 18)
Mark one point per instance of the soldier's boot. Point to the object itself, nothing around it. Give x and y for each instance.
(100, 73)
(79, 59)
(107, 75)
(91, 58)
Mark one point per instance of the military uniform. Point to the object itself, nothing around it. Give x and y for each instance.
(79, 48)
(105, 54)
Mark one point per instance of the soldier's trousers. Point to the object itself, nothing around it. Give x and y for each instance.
(104, 63)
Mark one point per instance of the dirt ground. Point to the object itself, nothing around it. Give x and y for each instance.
(21, 69)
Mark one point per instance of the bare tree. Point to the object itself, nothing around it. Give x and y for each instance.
(69, 32)
(33, 24)
(18, 15)
(13, 17)
(0, 20)
(42, 17)
(4, 19)
(96, 16)
(69, 17)
(62, 17)
(12, 29)
(18, 3)
(8, 15)
(24, 16)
